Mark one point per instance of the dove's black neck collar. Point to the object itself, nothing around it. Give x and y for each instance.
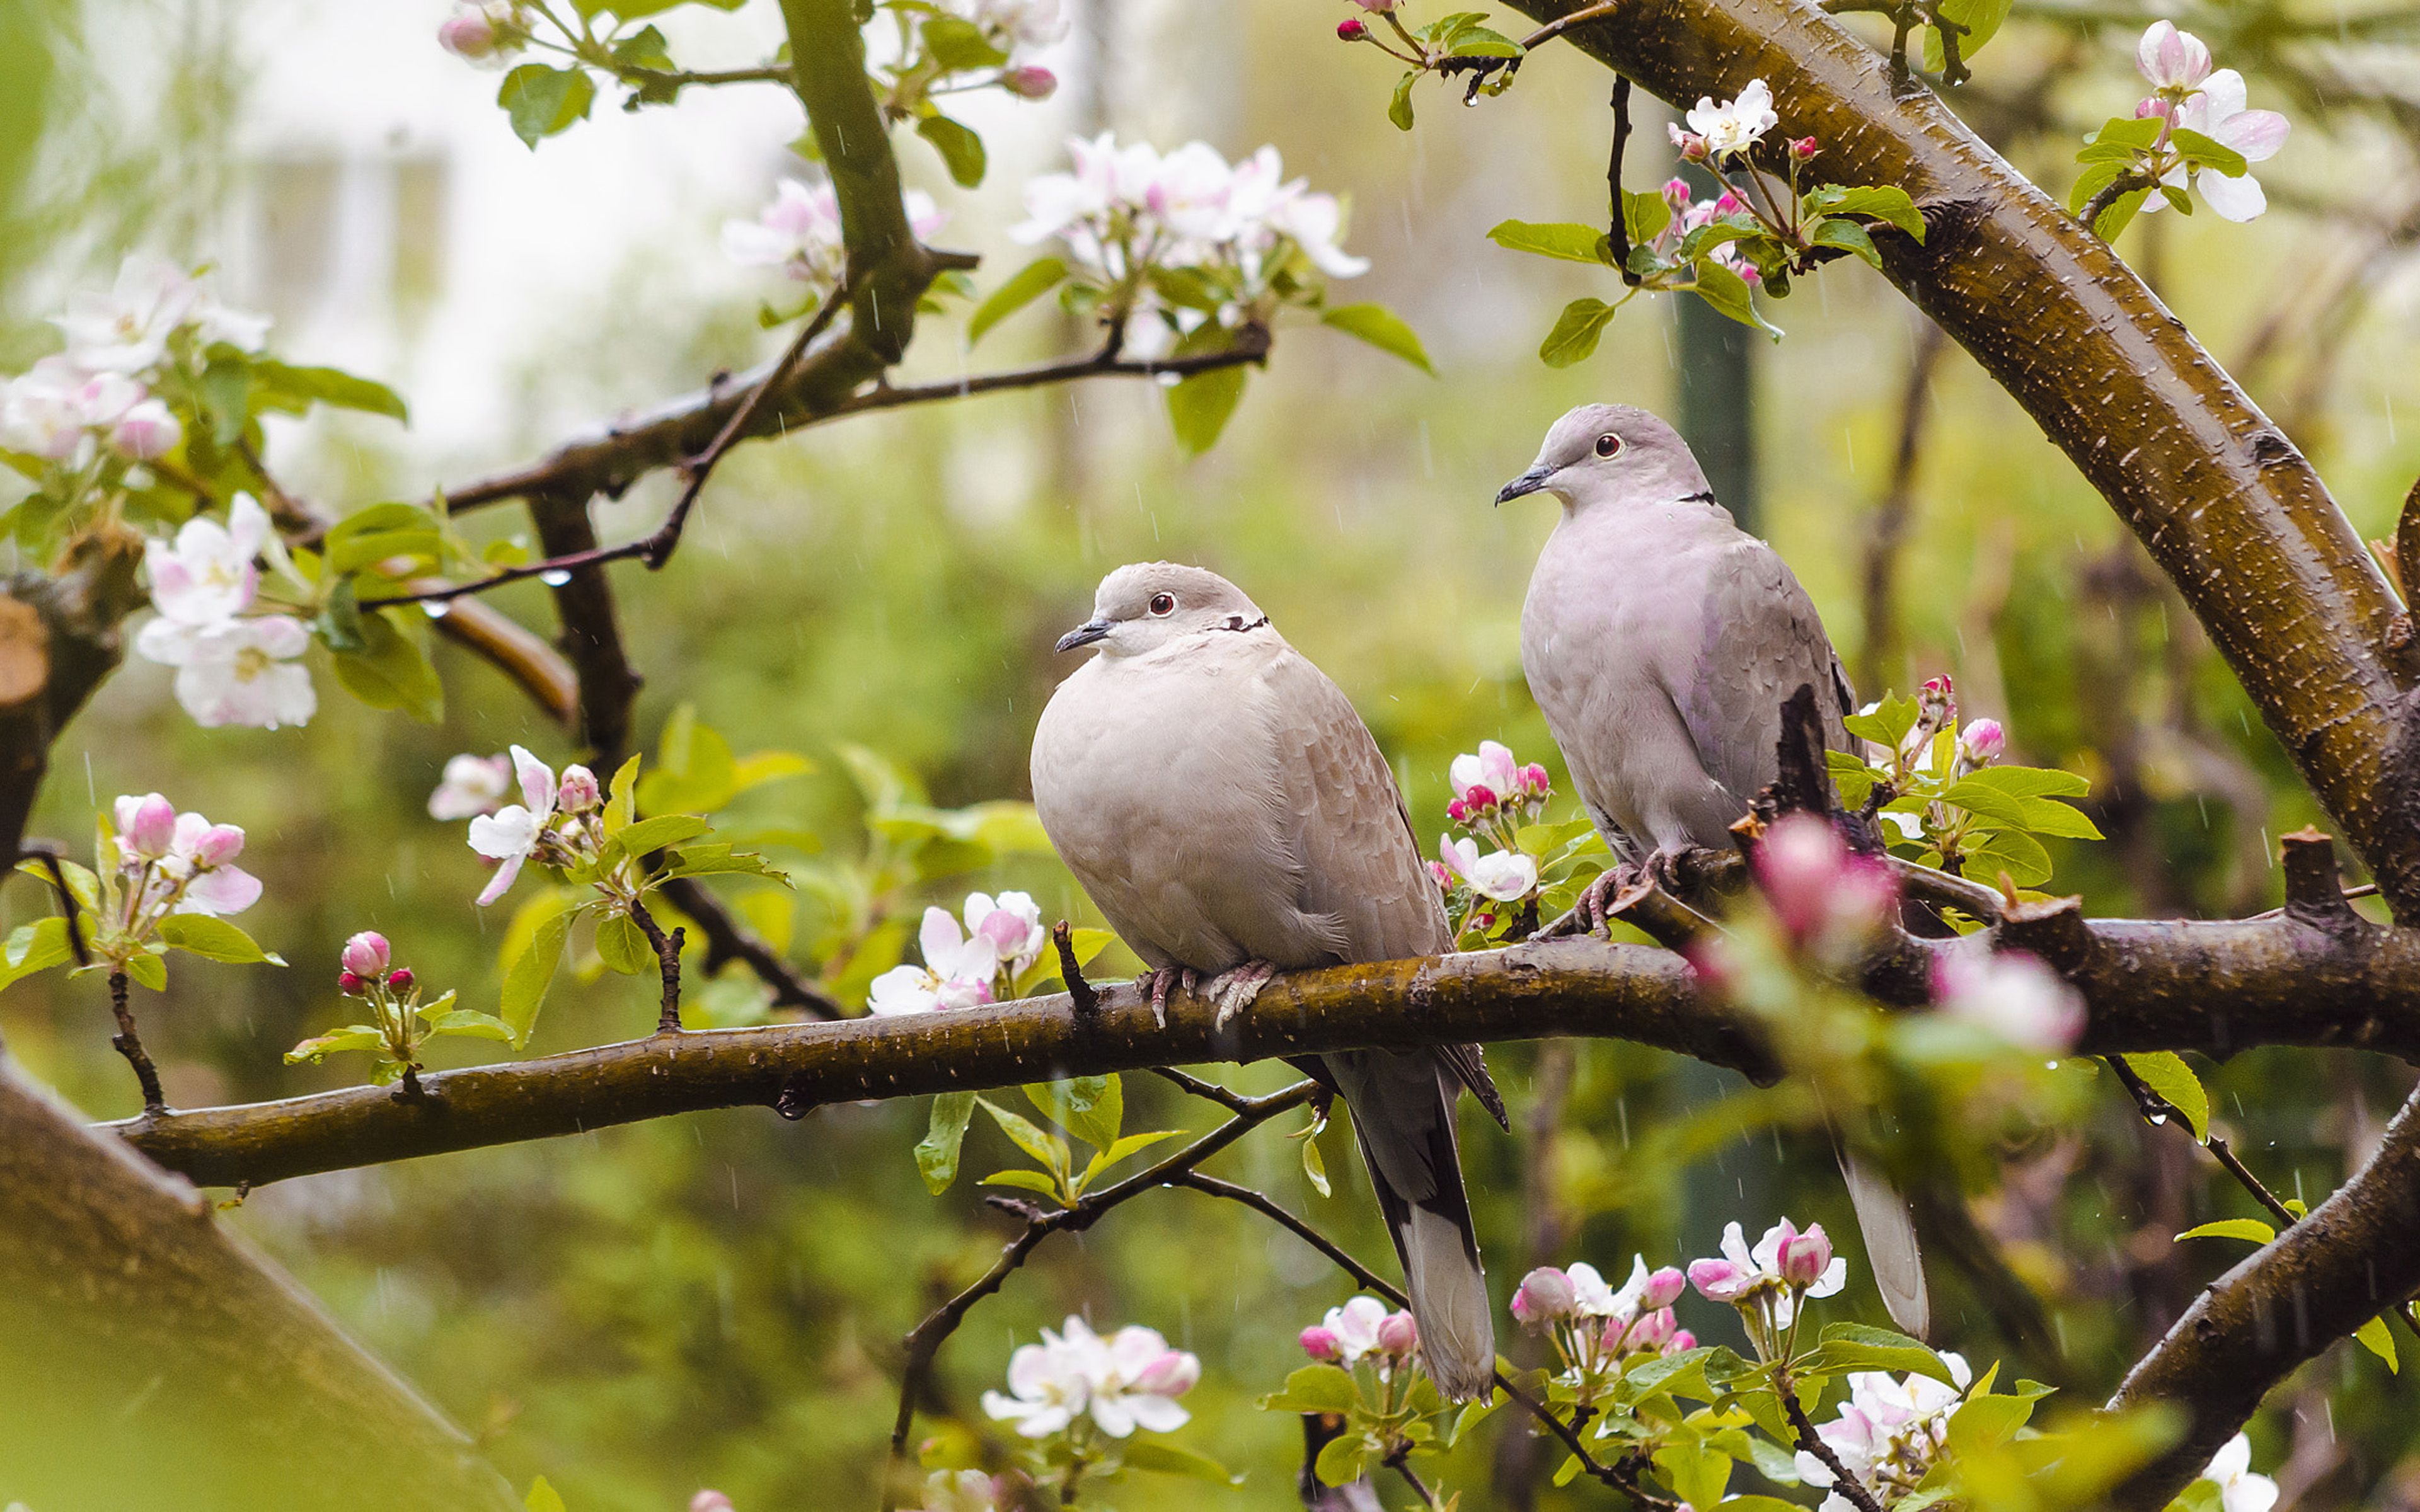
(1704, 497)
(1235, 621)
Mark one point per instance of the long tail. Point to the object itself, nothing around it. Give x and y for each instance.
(1890, 1243)
(1402, 1115)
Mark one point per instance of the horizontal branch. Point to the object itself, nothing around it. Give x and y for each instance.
(2214, 987)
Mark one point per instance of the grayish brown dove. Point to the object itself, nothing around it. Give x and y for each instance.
(1230, 814)
(1660, 640)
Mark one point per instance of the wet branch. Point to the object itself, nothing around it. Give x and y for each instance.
(130, 1044)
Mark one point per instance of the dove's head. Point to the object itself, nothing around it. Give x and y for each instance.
(1144, 607)
(1610, 453)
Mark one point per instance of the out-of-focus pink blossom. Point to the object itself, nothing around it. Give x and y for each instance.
(1397, 1335)
(148, 431)
(1544, 1298)
(1320, 1343)
(1031, 82)
(2010, 993)
(1826, 897)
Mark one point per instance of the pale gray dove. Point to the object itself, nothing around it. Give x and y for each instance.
(1660, 640)
(1230, 814)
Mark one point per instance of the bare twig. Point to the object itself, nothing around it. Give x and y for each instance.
(130, 1044)
(1849, 1488)
(48, 852)
(727, 939)
(1071, 971)
(668, 949)
(1619, 233)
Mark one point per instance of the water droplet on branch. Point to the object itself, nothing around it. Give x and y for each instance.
(554, 578)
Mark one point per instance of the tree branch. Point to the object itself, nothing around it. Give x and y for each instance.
(2229, 506)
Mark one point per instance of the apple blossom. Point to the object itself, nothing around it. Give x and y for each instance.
(1502, 875)
(2217, 111)
(510, 835)
(148, 431)
(351, 983)
(43, 412)
(1031, 82)
(1141, 1382)
(1013, 26)
(579, 792)
(1981, 742)
(399, 979)
(1397, 1335)
(1355, 1327)
(1826, 897)
(467, 34)
(192, 872)
(1890, 1430)
(1376, 8)
(488, 33)
(207, 574)
(1319, 1343)
(471, 785)
(945, 1490)
(366, 954)
(147, 826)
(2011, 995)
(1127, 1382)
(1735, 126)
(236, 672)
(1802, 1259)
(127, 329)
(1012, 923)
(2169, 59)
(1744, 1277)
(1545, 1297)
(957, 972)
(2240, 1489)
(800, 231)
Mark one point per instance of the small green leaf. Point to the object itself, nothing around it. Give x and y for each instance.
(1317, 1388)
(36, 947)
(148, 971)
(542, 101)
(1644, 216)
(1849, 237)
(542, 1498)
(1315, 1166)
(959, 147)
(470, 1023)
(1847, 1346)
(531, 974)
(622, 946)
(1341, 1461)
(1728, 292)
(1048, 1148)
(662, 831)
(1041, 1181)
(960, 45)
(1032, 281)
(2167, 1074)
(1888, 203)
(1478, 41)
(2122, 136)
(2251, 1228)
(936, 1153)
(1381, 328)
(1200, 407)
(1161, 1458)
(351, 1037)
(2208, 152)
(1399, 110)
(2379, 1339)
(391, 672)
(1568, 241)
(329, 386)
(2119, 214)
(213, 940)
(1575, 333)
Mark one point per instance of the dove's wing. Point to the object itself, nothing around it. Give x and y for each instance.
(1760, 639)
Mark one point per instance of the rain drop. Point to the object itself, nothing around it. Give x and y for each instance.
(555, 579)
(437, 608)
(2159, 1120)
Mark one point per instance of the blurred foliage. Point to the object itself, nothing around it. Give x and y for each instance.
(716, 1300)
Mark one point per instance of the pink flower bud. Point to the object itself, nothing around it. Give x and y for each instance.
(1749, 274)
(366, 954)
(578, 793)
(1320, 1343)
(401, 979)
(1478, 797)
(1535, 782)
(1443, 875)
(218, 845)
(350, 983)
(2145, 109)
(1654, 1330)
(1804, 1258)
(710, 1501)
(147, 432)
(1692, 146)
(1676, 193)
(146, 824)
(1718, 1280)
(1397, 1333)
(1351, 29)
(1173, 1374)
(1457, 810)
(1803, 148)
(467, 34)
(1031, 83)
(1727, 203)
(1545, 1296)
(1664, 1289)
(1982, 743)
(1798, 866)
(1682, 1342)
(1937, 699)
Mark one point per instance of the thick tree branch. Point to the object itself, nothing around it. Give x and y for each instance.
(59, 639)
(2217, 988)
(2228, 505)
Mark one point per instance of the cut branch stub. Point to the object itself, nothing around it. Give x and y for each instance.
(2314, 889)
(2233, 512)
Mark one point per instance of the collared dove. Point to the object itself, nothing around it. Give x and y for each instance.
(1228, 811)
(1660, 640)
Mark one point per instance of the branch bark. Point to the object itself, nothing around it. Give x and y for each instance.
(58, 640)
(2231, 510)
(2217, 988)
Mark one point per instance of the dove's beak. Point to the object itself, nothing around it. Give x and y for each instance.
(1530, 482)
(1085, 634)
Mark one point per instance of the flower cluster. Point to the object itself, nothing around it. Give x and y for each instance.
(166, 863)
(2193, 132)
(1888, 1432)
(1126, 212)
(96, 401)
(1718, 133)
(1594, 1327)
(1767, 1284)
(400, 1022)
(1129, 1380)
(553, 823)
(798, 231)
(1494, 796)
(1002, 936)
(233, 667)
(1828, 898)
(1364, 1329)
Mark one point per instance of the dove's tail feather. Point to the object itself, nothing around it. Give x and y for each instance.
(1402, 1115)
(1891, 1249)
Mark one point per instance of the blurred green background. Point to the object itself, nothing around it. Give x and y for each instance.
(715, 1301)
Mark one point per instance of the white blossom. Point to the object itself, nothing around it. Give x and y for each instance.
(472, 785)
(510, 835)
(1012, 922)
(957, 972)
(1734, 125)
(2239, 1489)
(236, 672)
(1505, 876)
(798, 231)
(207, 574)
(1126, 1381)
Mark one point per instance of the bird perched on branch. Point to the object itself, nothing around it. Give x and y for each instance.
(1229, 813)
(1661, 641)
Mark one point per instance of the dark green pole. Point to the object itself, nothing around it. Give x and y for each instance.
(1716, 390)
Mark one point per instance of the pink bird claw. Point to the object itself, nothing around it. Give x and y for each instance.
(1233, 991)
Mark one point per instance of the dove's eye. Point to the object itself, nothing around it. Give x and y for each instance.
(1163, 603)
(1608, 444)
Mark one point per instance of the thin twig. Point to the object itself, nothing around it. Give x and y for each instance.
(727, 939)
(1846, 1485)
(1560, 24)
(1071, 971)
(668, 949)
(130, 1044)
(47, 852)
(1402, 1466)
(1234, 1101)
(1619, 233)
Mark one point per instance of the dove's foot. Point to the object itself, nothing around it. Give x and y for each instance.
(1233, 991)
(1617, 890)
(1161, 980)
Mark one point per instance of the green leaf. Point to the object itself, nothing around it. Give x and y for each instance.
(1848, 236)
(1341, 1461)
(936, 1153)
(1314, 1166)
(960, 45)
(2120, 137)
(2167, 1074)
(1161, 1458)
(622, 946)
(391, 672)
(149, 971)
(1381, 328)
(622, 798)
(1575, 333)
(227, 395)
(2251, 1228)
(1847, 1346)
(542, 1498)
(1091, 1107)
(36, 947)
(720, 860)
(664, 830)
(470, 1023)
(1032, 281)
(1048, 1148)
(1200, 406)
(351, 1037)
(1644, 216)
(693, 770)
(959, 147)
(531, 974)
(1317, 1388)
(1698, 1473)
(1982, 19)
(372, 536)
(1570, 241)
(1031, 1180)
(1728, 292)
(2207, 152)
(213, 940)
(543, 101)
(330, 386)
(1399, 110)
(2121, 212)
(1888, 203)
(1478, 41)
(2011, 850)
(2379, 1339)
(1892, 718)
